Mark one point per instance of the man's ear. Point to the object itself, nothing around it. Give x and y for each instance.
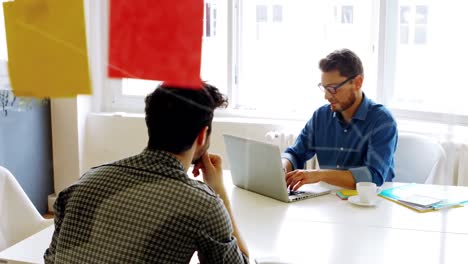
(202, 136)
(358, 81)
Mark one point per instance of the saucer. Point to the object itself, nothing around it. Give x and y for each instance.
(355, 200)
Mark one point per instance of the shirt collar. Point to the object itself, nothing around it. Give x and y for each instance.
(156, 161)
(163, 157)
(361, 112)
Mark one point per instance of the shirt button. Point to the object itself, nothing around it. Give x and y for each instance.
(346, 130)
(338, 166)
(341, 149)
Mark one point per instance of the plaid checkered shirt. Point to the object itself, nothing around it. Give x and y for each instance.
(143, 209)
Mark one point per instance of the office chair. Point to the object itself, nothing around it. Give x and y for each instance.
(18, 216)
(417, 158)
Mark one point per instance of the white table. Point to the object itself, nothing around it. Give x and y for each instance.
(31, 249)
(329, 230)
(326, 229)
(330, 209)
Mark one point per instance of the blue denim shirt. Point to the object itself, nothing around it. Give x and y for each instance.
(365, 146)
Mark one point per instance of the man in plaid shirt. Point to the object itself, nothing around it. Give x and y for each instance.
(145, 209)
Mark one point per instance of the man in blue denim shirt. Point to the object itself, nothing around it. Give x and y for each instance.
(353, 137)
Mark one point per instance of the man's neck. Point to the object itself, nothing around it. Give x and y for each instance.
(184, 158)
(348, 114)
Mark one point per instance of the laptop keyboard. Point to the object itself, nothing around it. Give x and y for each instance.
(291, 192)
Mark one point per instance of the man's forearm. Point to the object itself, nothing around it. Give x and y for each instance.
(286, 165)
(240, 242)
(342, 178)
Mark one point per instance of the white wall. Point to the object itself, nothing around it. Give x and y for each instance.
(112, 137)
(103, 138)
(65, 142)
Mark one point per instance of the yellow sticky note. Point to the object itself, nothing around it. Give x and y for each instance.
(349, 192)
(47, 52)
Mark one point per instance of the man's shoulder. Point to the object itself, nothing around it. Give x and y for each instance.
(175, 186)
(379, 118)
(201, 191)
(378, 111)
(177, 179)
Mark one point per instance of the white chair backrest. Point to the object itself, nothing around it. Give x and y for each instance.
(417, 158)
(18, 216)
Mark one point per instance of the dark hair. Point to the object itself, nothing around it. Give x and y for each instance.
(175, 115)
(346, 62)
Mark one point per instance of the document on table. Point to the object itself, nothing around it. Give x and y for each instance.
(424, 198)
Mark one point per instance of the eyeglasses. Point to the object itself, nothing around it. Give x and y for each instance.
(332, 89)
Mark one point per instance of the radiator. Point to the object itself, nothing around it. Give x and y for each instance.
(455, 171)
(283, 140)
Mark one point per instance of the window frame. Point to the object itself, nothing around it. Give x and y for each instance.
(114, 101)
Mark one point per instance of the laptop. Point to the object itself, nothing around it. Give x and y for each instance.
(256, 166)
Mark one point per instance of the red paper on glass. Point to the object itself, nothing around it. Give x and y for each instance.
(156, 40)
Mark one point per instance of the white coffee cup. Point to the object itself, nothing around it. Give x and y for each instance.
(367, 192)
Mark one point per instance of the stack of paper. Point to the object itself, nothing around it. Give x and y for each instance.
(424, 198)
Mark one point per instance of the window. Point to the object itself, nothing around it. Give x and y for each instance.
(276, 46)
(420, 25)
(3, 50)
(210, 20)
(404, 24)
(430, 61)
(4, 83)
(347, 14)
(277, 13)
(278, 60)
(264, 54)
(413, 20)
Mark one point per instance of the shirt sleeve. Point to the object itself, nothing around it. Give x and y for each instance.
(216, 243)
(361, 174)
(302, 150)
(379, 159)
(59, 211)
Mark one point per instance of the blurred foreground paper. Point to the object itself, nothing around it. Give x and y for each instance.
(47, 53)
(156, 40)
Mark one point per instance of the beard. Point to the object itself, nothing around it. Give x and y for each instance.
(345, 105)
(199, 154)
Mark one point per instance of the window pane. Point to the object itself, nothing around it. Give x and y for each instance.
(279, 59)
(214, 47)
(430, 74)
(138, 87)
(214, 52)
(262, 13)
(277, 13)
(3, 48)
(4, 80)
(420, 35)
(208, 18)
(421, 14)
(404, 14)
(404, 34)
(347, 14)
